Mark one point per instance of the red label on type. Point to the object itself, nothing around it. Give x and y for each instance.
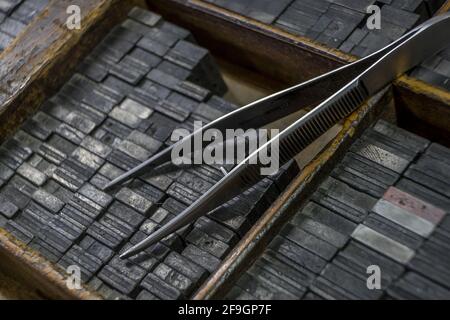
(414, 205)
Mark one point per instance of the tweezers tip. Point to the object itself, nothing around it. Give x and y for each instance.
(108, 187)
(127, 254)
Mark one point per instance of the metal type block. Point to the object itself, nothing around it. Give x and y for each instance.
(15, 196)
(118, 87)
(123, 161)
(125, 117)
(95, 146)
(159, 288)
(110, 171)
(61, 144)
(119, 282)
(186, 54)
(5, 40)
(164, 37)
(136, 108)
(104, 235)
(263, 289)
(180, 32)
(46, 250)
(160, 127)
(402, 136)
(348, 202)
(147, 191)
(393, 231)
(7, 6)
(183, 265)
(216, 230)
(174, 110)
(120, 227)
(231, 219)
(208, 244)
(71, 134)
(357, 258)
(48, 200)
(320, 230)
(266, 11)
(415, 286)
(237, 293)
(88, 263)
(434, 269)
(144, 16)
(87, 158)
(5, 172)
(439, 152)
(174, 278)
(162, 182)
(146, 295)
(183, 194)
(399, 17)
(126, 214)
(80, 122)
(404, 218)
(309, 241)
(18, 231)
(381, 156)
(349, 282)
(192, 91)
(145, 141)
(27, 140)
(284, 268)
(383, 244)
(303, 258)
(133, 150)
(96, 249)
(153, 46)
(202, 258)
(8, 209)
(423, 193)
(12, 27)
(134, 200)
(277, 281)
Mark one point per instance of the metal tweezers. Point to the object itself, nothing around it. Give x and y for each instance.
(352, 85)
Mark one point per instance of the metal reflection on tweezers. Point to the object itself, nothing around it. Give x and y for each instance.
(353, 84)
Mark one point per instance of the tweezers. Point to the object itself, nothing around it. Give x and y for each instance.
(338, 93)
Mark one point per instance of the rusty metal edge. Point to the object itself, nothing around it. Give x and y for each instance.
(243, 254)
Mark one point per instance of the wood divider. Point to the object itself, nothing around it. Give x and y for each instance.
(46, 54)
(42, 58)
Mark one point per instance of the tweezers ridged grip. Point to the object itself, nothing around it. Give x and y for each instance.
(312, 128)
(321, 122)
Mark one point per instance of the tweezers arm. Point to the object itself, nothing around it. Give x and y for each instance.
(263, 112)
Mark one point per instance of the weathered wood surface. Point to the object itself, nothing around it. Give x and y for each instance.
(32, 68)
(39, 274)
(44, 55)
